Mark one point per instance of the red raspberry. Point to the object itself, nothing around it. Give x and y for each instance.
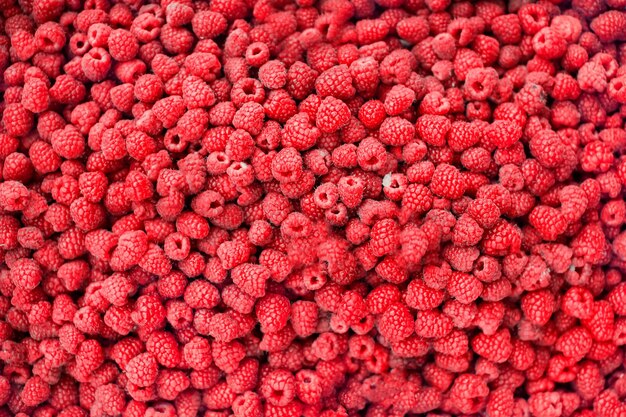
(332, 114)
(273, 312)
(35, 95)
(412, 29)
(250, 118)
(300, 80)
(299, 133)
(462, 136)
(149, 312)
(67, 89)
(17, 120)
(548, 44)
(538, 306)
(397, 66)
(396, 131)
(464, 287)
(609, 26)
(396, 323)
(372, 113)
(35, 391)
(164, 347)
(170, 383)
(96, 64)
(448, 182)
(369, 31)
(23, 45)
(548, 221)
(371, 154)
(46, 10)
(197, 353)
(336, 82)
(273, 74)
(304, 317)
(25, 274)
(251, 279)
(364, 72)
(13, 196)
(496, 347)
(208, 24)
(142, 370)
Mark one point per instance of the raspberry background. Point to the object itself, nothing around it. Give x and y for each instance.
(312, 208)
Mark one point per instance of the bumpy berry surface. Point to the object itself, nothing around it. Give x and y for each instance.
(312, 208)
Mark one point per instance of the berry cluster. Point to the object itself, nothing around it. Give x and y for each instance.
(301, 208)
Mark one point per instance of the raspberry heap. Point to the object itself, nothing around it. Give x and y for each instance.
(312, 208)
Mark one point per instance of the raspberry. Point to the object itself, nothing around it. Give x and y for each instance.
(448, 182)
(17, 120)
(96, 64)
(364, 72)
(299, 133)
(371, 154)
(35, 96)
(412, 29)
(273, 74)
(462, 136)
(548, 44)
(249, 117)
(464, 287)
(131, 247)
(396, 323)
(609, 26)
(548, 222)
(251, 279)
(396, 131)
(25, 274)
(336, 82)
(332, 114)
(142, 370)
(315, 190)
(496, 348)
(35, 391)
(208, 24)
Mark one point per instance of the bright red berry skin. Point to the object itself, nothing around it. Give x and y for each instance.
(305, 208)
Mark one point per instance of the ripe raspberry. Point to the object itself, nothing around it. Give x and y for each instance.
(251, 278)
(396, 131)
(46, 10)
(464, 287)
(273, 74)
(369, 31)
(35, 391)
(17, 120)
(396, 323)
(142, 370)
(300, 80)
(131, 247)
(412, 29)
(35, 96)
(548, 44)
(503, 134)
(496, 348)
(609, 26)
(96, 64)
(299, 133)
(448, 182)
(332, 115)
(548, 221)
(25, 274)
(336, 82)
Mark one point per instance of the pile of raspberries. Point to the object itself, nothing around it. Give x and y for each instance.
(312, 208)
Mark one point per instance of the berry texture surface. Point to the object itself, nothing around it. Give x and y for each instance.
(312, 208)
